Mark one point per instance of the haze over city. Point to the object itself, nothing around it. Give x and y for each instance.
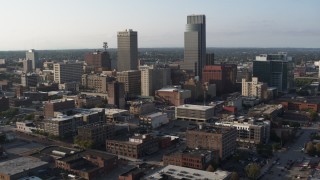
(77, 24)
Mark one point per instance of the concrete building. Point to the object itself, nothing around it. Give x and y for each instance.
(117, 115)
(153, 120)
(27, 66)
(274, 69)
(127, 50)
(196, 159)
(96, 81)
(250, 131)
(70, 86)
(4, 103)
(195, 44)
(153, 78)
(269, 111)
(51, 107)
(179, 173)
(116, 94)
(97, 133)
(67, 72)
(254, 88)
(141, 107)
(223, 76)
(61, 126)
(137, 146)
(174, 96)
(198, 89)
(218, 138)
(26, 126)
(21, 167)
(34, 57)
(195, 113)
(29, 80)
(99, 60)
(132, 82)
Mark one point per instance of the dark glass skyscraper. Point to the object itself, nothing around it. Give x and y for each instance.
(127, 50)
(195, 44)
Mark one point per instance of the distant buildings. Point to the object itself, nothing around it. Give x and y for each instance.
(195, 113)
(29, 80)
(218, 138)
(100, 61)
(174, 96)
(223, 75)
(67, 72)
(254, 88)
(27, 66)
(195, 44)
(96, 81)
(274, 69)
(127, 50)
(132, 82)
(34, 57)
(51, 107)
(153, 120)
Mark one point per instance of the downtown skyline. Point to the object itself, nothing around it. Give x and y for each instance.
(81, 24)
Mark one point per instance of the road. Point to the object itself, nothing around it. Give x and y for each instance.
(293, 152)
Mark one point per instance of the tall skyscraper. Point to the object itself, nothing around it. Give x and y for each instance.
(127, 50)
(195, 44)
(209, 59)
(34, 57)
(27, 66)
(274, 69)
(67, 72)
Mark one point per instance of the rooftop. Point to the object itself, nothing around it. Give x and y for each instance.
(178, 172)
(171, 89)
(195, 107)
(152, 115)
(20, 164)
(115, 111)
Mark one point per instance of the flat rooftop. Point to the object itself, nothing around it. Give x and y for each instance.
(194, 107)
(20, 164)
(171, 89)
(178, 172)
(152, 115)
(115, 111)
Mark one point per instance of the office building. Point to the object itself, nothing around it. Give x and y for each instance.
(141, 107)
(153, 78)
(61, 126)
(96, 81)
(195, 113)
(209, 59)
(274, 69)
(153, 120)
(218, 138)
(67, 72)
(97, 133)
(127, 50)
(223, 75)
(137, 146)
(254, 88)
(53, 106)
(116, 94)
(34, 57)
(195, 44)
(27, 66)
(99, 60)
(132, 82)
(251, 132)
(29, 80)
(173, 96)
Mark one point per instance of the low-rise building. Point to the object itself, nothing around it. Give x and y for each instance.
(21, 167)
(142, 107)
(61, 126)
(52, 106)
(196, 159)
(26, 126)
(117, 115)
(301, 103)
(137, 146)
(269, 111)
(195, 113)
(178, 172)
(174, 96)
(153, 120)
(218, 138)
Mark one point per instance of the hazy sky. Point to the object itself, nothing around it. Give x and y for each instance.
(72, 24)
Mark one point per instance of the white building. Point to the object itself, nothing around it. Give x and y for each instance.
(153, 120)
(254, 88)
(196, 113)
(26, 126)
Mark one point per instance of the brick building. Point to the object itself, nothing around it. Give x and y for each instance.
(137, 146)
(100, 61)
(57, 105)
(218, 138)
(173, 95)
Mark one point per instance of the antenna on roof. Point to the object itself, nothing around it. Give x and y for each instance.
(105, 46)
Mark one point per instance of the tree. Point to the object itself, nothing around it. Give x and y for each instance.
(234, 176)
(210, 168)
(310, 148)
(253, 170)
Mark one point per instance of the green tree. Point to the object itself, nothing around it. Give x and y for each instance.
(310, 148)
(234, 176)
(253, 170)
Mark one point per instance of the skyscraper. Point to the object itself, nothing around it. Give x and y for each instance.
(33, 56)
(195, 44)
(127, 50)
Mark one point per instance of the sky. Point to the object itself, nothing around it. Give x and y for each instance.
(78, 24)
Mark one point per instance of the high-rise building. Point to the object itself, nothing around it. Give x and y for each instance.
(195, 44)
(100, 61)
(209, 59)
(116, 94)
(27, 66)
(254, 88)
(34, 57)
(274, 69)
(132, 82)
(153, 78)
(67, 72)
(127, 50)
(223, 75)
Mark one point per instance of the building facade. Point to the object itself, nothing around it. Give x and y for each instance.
(99, 60)
(195, 113)
(174, 96)
(127, 50)
(34, 57)
(153, 120)
(116, 94)
(132, 82)
(254, 88)
(96, 82)
(29, 80)
(51, 107)
(27, 66)
(67, 72)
